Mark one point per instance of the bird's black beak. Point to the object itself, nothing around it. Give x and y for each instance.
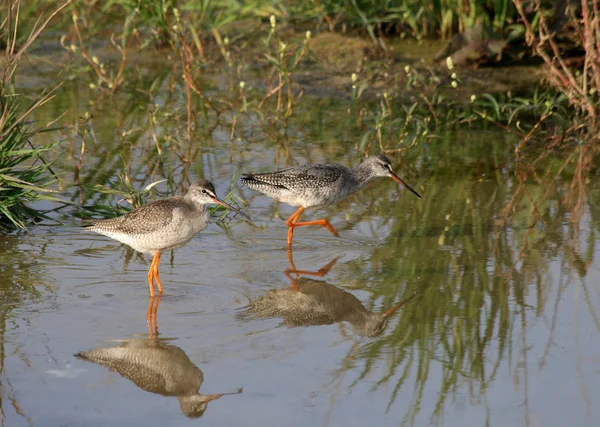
(228, 206)
(399, 180)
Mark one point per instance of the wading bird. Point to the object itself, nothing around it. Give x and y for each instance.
(317, 185)
(162, 225)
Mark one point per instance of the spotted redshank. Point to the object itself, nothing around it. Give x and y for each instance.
(162, 225)
(157, 367)
(314, 186)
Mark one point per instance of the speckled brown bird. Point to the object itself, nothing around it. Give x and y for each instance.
(162, 225)
(317, 185)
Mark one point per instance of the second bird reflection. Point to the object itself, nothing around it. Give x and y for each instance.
(311, 302)
(157, 367)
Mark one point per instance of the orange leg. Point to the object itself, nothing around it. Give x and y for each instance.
(292, 222)
(321, 222)
(151, 279)
(153, 275)
(155, 272)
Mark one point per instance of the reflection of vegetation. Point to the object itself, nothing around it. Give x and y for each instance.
(20, 276)
(480, 280)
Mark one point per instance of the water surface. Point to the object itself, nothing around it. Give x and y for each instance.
(503, 330)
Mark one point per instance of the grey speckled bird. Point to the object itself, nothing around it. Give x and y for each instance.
(157, 367)
(313, 186)
(311, 302)
(162, 225)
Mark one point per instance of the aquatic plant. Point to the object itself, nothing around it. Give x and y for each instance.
(24, 175)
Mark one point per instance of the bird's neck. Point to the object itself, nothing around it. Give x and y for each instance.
(200, 207)
(362, 174)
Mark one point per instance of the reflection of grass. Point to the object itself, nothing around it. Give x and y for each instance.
(20, 284)
(480, 282)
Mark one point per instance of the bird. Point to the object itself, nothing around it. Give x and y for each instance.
(162, 225)
(159, 368)
(311, 302)
(318, 185)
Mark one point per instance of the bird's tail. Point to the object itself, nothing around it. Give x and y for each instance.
(248, 177)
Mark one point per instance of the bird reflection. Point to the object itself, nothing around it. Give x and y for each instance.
(151, 316)
(311, 302)
(157, 367)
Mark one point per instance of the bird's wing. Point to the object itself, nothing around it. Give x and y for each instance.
(144, 219)
(298, 177)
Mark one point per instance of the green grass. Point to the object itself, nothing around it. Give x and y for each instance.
(24, 175)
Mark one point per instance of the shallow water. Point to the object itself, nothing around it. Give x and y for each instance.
(503, 330)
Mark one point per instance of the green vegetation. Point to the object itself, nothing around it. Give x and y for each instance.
(271, 51)
(24, 175)
(181, 88)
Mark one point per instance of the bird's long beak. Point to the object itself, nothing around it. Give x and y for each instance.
(209, 397)
(228, 206)
(397, 179)
(397, 306)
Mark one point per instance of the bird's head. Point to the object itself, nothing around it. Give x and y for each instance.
(380, 165)
(203, 192)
